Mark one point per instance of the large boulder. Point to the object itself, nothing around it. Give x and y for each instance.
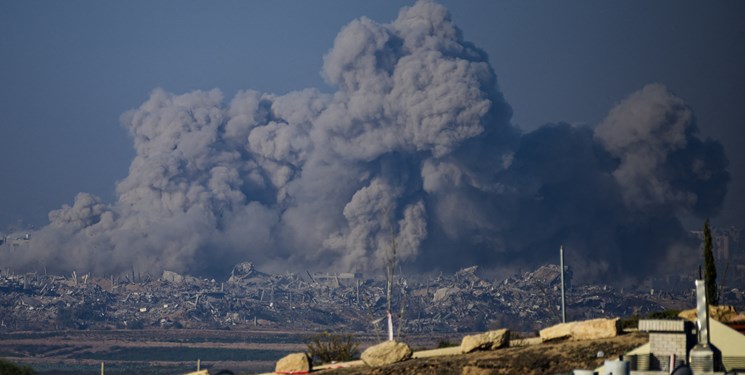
(295, 363)
(386, 353)
(486, 341)
(558, 331)
(596, 329)
(722, 313)
(582, 330)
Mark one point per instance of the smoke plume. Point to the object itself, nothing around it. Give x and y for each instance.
(414, 149)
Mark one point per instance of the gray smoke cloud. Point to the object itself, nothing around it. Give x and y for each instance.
(653, 134)
(415, 147)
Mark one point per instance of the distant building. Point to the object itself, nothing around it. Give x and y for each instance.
(15, 240)
(729, 253)
(726, 242)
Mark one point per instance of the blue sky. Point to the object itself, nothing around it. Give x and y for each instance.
(69, 69)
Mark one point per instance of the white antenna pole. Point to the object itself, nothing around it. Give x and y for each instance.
(561, 266)
(390, 327)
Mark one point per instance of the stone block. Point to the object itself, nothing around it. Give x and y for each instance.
(595, 329)
(295, 363)
(386, 353)
(583, 330)
(558, 331)
(486, 341)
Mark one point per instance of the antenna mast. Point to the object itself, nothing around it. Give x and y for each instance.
(561, 266)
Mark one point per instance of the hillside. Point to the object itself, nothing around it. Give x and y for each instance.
(545, 358)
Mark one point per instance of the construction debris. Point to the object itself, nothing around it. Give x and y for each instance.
(250, 299)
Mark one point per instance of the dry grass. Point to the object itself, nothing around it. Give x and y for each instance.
(546, 358)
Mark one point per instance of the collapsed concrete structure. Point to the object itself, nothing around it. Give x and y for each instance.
(250, 299)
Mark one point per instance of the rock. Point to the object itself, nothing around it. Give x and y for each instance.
(583, 330)
(559, 331)
(386, 353)
(486, 341)
(722, 313)
(595, 329)
(295, 363)
(739, 318)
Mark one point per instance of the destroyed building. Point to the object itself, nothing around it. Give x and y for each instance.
(250, 299)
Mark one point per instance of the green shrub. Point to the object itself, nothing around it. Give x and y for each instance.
(630, 322)
(444, 343)
(669, 314)
(327, 347)
(8, 368)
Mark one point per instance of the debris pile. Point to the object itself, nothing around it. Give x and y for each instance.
(250, 299)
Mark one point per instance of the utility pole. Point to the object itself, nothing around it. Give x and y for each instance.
(561, 266)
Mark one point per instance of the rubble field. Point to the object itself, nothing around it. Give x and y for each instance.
(251, 300)
(251, 318)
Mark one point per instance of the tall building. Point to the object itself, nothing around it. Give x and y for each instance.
(726, 242)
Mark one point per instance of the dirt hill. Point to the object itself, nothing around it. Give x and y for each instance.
(546, 358)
